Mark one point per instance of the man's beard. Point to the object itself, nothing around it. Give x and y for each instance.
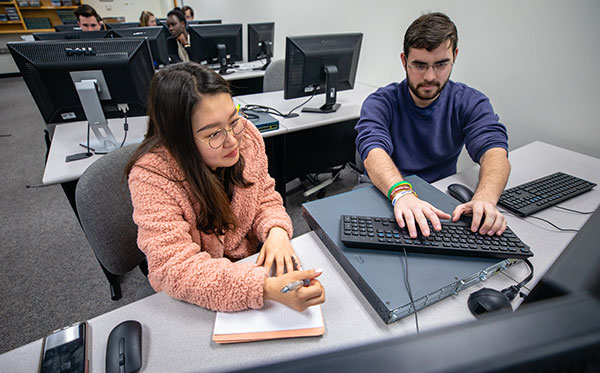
(428, 96)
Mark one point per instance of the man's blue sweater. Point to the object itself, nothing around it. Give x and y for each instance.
(427, 141)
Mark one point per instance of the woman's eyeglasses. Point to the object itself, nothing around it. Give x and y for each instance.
(217, 139)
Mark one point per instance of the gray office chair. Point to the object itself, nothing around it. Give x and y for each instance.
(274, 81)
(105, 213)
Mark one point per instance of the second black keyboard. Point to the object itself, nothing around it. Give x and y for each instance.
(536, 195)
(455, 238)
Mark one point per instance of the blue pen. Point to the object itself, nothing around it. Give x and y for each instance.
(295, 285)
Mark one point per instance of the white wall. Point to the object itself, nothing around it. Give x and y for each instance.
(130, 9)
(537, 60)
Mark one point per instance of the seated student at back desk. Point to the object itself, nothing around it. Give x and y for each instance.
(88, 19)
(203, 198)
(178, 44)
(189, 12)
(147, 19)
(420, 125)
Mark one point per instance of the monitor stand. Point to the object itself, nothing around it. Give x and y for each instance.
(267, 46)
(222, 56)
(330, 106)
(90, 100)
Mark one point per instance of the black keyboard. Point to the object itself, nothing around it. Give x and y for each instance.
(455, 238)
(536, 195)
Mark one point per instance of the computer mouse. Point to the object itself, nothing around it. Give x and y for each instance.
(460, 192)
(488, 300)
(124, 348)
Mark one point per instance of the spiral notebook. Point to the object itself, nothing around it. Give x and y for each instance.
(273, 321)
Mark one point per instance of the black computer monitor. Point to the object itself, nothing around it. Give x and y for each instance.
(557, 329)
(67, 27)
(220, 44)
(156, 36)
(72, 35)
(75, 80)
(118, 25)
(577, 269)
(260, 42)
(204, 22)
(321, 64)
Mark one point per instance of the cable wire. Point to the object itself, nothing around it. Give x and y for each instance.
(407, 283)
(273, 111)
(554, 225)
(571, 210)
(125, 129)
(538, 218)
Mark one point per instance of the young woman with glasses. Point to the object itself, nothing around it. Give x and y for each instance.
(203, 199)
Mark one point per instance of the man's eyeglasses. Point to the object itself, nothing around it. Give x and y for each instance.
(217, 139)
(439, 67)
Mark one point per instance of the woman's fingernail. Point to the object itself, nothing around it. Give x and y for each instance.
(318, 270)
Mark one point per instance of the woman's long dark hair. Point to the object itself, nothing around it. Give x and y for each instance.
(174, 94)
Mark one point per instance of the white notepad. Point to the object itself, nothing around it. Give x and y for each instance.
(274, 320)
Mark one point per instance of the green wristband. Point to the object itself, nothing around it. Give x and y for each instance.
(389, 193)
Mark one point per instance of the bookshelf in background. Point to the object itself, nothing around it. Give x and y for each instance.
(25, 16)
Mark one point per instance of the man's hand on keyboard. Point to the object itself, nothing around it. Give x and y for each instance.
(486, 217)
(410, 211)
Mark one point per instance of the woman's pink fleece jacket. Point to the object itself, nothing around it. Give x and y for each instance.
(188, 264)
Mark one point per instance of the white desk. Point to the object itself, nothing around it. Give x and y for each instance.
(66, 140)
(177, 335)
(350, 100)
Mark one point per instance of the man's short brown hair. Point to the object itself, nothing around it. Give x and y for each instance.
(87, 11)
(429, 31)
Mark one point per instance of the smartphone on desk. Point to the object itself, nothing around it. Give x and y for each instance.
(65, 350)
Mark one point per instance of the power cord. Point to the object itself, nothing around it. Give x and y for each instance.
(575, 211)
(407, 284)
(273, 111)
(126, 129)
(124, 108)
(538, 218)
(512, 291)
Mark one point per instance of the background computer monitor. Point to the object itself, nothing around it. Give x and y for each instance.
(204, 22)
(220, 44)
(321, 64)
(260, 41)
(156, 36)
(72, 35)
(67, 27)
(59, 74)
(118, 25)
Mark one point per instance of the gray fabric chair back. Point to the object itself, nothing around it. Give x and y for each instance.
(105, 212)
(273, 80)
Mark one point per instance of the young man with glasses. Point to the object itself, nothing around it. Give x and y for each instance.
(420, 125)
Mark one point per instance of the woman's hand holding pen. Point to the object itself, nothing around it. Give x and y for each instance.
(278, 250)
(297, 298)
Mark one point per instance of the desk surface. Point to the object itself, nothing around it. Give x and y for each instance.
(67, 136)
(177, 335)
(350, 100)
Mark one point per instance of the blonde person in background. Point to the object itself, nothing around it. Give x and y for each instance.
(147, 19)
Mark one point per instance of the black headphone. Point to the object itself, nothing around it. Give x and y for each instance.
(488, 300)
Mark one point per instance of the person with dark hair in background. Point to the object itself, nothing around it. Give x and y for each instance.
(420, 125)
(178, 44)
(203, 199)
(188, 12)
(87, 18)
(147, 19)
